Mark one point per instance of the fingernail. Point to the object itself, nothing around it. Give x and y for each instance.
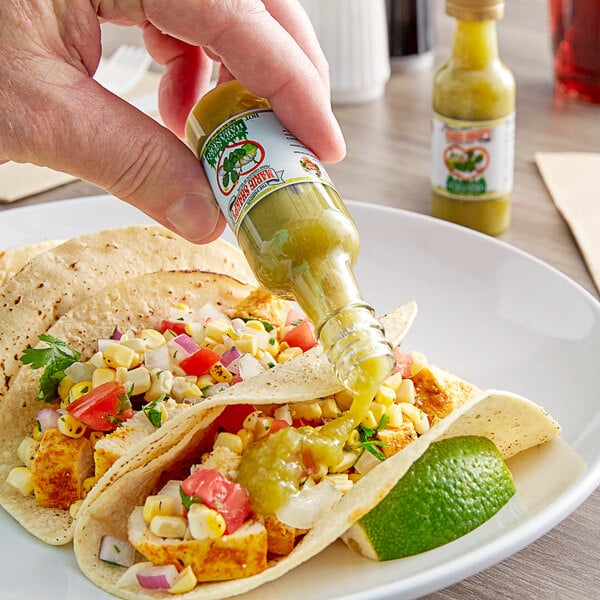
(193, 216)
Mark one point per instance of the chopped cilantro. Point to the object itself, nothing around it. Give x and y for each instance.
(55, 358)
(153, 412)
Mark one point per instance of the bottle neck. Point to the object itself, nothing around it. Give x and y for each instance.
(475, 44)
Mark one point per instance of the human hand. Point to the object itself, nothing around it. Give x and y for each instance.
(54, 114)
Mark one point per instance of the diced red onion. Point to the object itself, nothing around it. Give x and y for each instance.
(159, 577)
(79, 371)
(116, 551)
(284, 414)
(47, 418)
(229, 356)
(172, 489)
(129, 577)
(103, 344)
(293, 316)
(182, 346)
(117, 335)
(210, 311)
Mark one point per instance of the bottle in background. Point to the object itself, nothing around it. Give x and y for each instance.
(411, 34)
(292, 226)
(575, 29)
(473, 123)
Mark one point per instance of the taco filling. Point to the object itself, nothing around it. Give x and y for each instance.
(267, 473)
(94, 411)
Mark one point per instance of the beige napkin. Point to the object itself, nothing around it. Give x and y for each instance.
(573, 180)
(22, 180)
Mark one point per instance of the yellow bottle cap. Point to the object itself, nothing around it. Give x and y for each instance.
(475, 10)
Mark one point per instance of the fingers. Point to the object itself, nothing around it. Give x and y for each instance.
(111, 144)
(260, 52)
(186, 76)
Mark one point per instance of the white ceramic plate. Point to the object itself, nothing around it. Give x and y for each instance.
(487, 311)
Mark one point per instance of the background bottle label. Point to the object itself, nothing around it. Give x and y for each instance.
(251, 155)
(473, 160)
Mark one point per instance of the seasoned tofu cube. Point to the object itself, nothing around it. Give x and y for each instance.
(59, 469)
(396, 438)
(439, 392)
(233, 556)
(281, 538)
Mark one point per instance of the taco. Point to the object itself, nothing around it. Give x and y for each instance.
(114, 368)
(55, 281)
(12, 260)
(193, 512)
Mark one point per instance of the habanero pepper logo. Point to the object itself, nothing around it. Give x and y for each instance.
(237, 160)
(466, 164)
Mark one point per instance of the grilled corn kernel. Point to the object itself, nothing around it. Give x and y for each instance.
(121, 375)
(70, 426)
(103, 375)
(152, 339)
(329, 408)
(288, 354)
(273, 347)
(423, 425)
(344, 399)
(248, 344)
(385, 395)
(136, 344)
(340, 482)
(263, 426)
(88, 484)
(168, 526)
(185, 387)
(247, 437)
(183, 307)
(196, 331)
(27, 450)
(79, 389)
(216, 329)
(186, 581)
(74, 508)
(406, 392)
(251, 420)
(205, 381)
(229, 440)
(411, 411)
(311, 411)
(36, 433)
(369, 420)
(419, 361)
(118, 355)
(20, 479)
(395, 415)
(256, 324)
(64, 386)
(159, 505)
(394, 381)
(205, 523)
(220, 373)
(354, 438)
(138, 381)
(378, 411)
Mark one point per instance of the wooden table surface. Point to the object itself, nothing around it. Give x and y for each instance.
(388, 163)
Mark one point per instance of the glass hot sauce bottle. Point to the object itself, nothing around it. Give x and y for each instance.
(293, 228)
(473, 123)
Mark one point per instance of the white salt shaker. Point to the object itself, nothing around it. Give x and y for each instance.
(354, 38)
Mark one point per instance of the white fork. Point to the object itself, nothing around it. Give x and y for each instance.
(124, 69)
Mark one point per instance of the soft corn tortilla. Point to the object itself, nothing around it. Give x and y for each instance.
(57, 280)
(135, 303)
(12, 260)
(512, 422)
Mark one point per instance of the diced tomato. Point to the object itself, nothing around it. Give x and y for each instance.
(217, 492)
(103, 408)
(301, 336)
(176, 326)
(232, 418)
(403, 362)
(278, 425)
(200, 362)
(310, 464)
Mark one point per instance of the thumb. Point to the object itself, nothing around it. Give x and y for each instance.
(107, 142)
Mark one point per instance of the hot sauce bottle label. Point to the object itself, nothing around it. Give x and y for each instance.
(251, 155)
(473, 160)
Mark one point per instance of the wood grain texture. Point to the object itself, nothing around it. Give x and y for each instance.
(388, 163)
